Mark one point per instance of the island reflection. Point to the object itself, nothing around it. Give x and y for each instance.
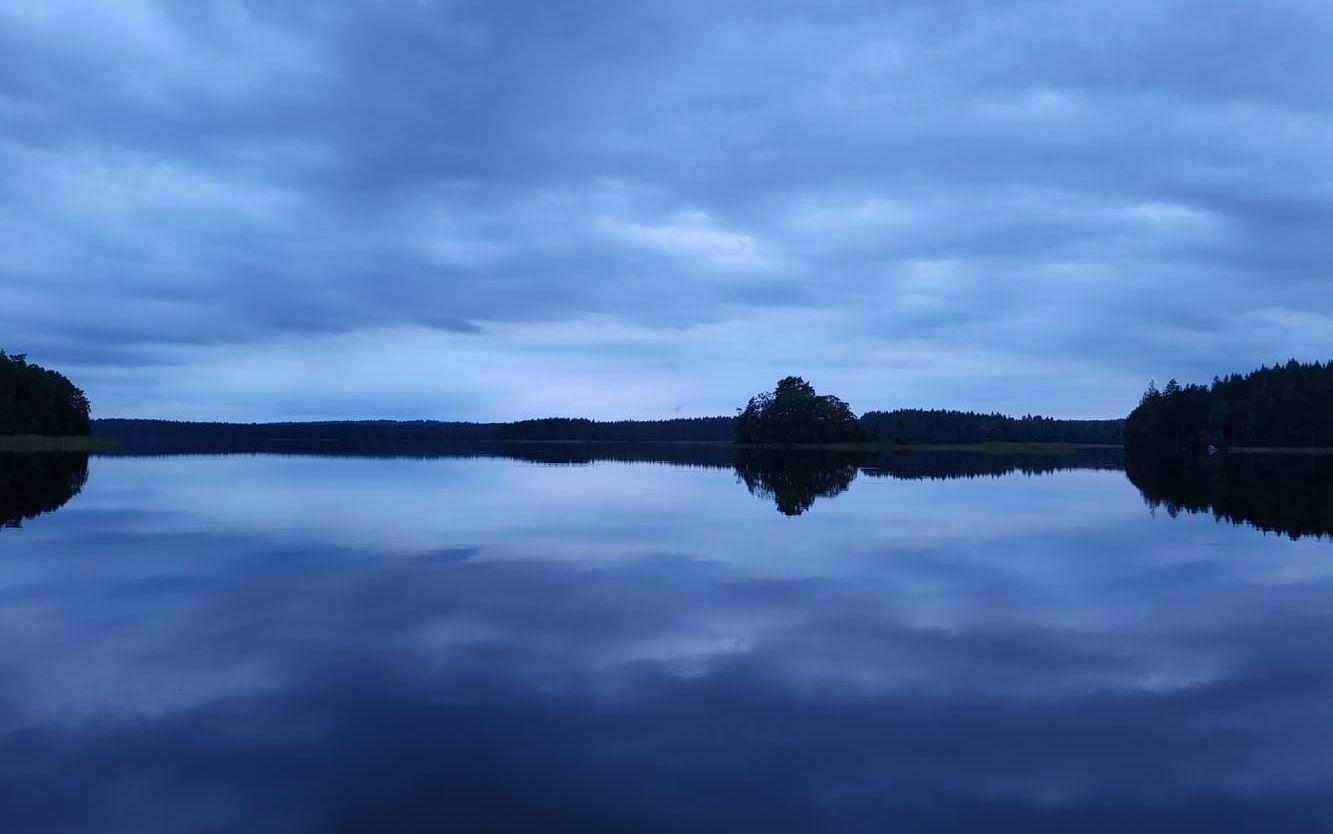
(1288, 494)
(793, 479)
(301, 644)
(35, 483)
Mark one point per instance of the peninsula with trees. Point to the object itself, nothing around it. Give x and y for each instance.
(1252, 448)
(1283, 407)
(40, 408)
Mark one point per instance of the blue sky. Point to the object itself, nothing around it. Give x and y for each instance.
(286, 210)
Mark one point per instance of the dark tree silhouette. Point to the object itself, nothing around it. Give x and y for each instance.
(34, 400)
(433, 437)
(1285, 405)
(569, 428)
(938, 426)
(794, 413)
(393, 437)
(1170, 422)
(32, 484)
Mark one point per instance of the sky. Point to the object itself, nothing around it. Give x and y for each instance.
(492, 210)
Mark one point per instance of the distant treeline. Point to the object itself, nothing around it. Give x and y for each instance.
(699, 429)
(138, 438)
(34, 400)
(425, 437)
(934, 426)
(369, 436)
(1285, 405)
(388, 437)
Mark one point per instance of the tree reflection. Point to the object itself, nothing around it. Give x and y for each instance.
(1289, 494)
(793, 480)
(32, 484)
(948, 464)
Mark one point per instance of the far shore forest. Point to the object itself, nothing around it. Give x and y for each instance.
(1285, 406)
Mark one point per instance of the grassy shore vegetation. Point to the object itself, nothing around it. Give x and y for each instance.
(997, 447)
(43, 443)
(1281, 450)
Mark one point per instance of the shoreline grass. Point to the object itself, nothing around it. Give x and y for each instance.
(996, 447)
(1281, 450)
(43, 443)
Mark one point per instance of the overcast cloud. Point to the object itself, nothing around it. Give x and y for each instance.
(271, 210)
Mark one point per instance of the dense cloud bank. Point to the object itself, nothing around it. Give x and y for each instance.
(244, 210)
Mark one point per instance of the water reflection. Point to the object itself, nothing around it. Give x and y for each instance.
(36, 483)
(1289, 494)
(946, 463)
(212, 644)
(793, 480)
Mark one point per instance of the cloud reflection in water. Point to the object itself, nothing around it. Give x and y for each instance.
(488, 646)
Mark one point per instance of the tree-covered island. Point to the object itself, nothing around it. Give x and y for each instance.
(37, 402)
(794, 414)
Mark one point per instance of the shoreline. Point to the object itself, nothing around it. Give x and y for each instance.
(46, 443)
(995, 447)
(1280, 450)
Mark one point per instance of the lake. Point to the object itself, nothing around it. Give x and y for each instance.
(676, 641)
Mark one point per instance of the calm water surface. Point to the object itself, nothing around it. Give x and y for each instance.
(303, 644)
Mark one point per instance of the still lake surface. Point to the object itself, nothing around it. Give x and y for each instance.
(267, 643)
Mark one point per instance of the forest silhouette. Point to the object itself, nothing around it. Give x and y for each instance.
(1288, 406)
(1167, 440)
(37, 401)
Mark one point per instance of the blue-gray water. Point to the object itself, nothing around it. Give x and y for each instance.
(304, 644)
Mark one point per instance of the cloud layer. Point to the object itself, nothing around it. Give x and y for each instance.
(492, 210)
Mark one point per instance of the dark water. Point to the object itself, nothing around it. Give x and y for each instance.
(913, 643)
